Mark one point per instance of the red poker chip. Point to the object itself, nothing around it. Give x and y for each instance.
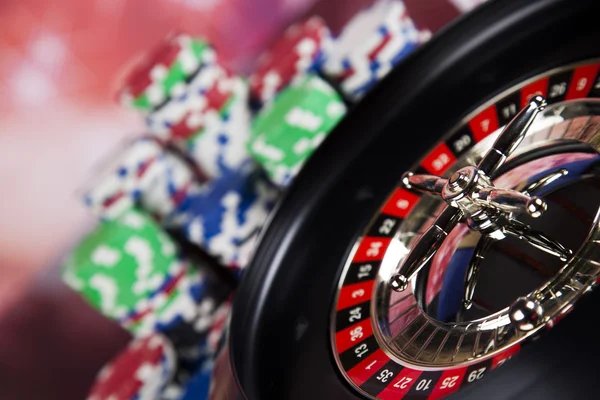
(140, 77)
(281, 61)
(136, 372)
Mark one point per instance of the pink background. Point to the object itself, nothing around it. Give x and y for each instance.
(60, 63)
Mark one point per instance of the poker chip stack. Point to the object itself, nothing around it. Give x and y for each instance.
(303, 92)
(134, 273)
(205, 186)
(192, 175)
(288, 98)
(300, 50)
(370, 45)
(208, 121)
(140, 372)
(192, 101)
(210, 174)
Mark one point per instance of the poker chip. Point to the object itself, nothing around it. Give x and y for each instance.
(174, 302)
(222, 146)
(198, 384)
(299, 51)
(196, 356)
(139, 372)
(140, 173)
(209, 92)
(188, 320)
(165, 71)
(209, 123)
(370, 45)
(132, 272)
(120, 263)
(188, 312)
(222, 216)
(286, 133)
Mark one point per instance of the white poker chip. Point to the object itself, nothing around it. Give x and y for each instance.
(370, 45)
(210, 123)
(140, 372)
(141, 173)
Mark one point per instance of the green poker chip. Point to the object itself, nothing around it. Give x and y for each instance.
(121, 263)
(286, 132)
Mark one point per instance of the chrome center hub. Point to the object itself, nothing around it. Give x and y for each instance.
(471, 196)
(459, 181)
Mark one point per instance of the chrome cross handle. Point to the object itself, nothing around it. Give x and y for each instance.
(469, 190)
(512, 136)
(471, 197)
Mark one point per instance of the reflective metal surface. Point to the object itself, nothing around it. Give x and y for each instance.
(532, 269)
(487, 208)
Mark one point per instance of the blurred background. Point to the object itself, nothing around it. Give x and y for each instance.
(60, 63)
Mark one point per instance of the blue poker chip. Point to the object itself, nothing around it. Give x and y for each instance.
(224, 216)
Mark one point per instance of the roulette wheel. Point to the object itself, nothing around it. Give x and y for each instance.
(384, 230)
(431, 244)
